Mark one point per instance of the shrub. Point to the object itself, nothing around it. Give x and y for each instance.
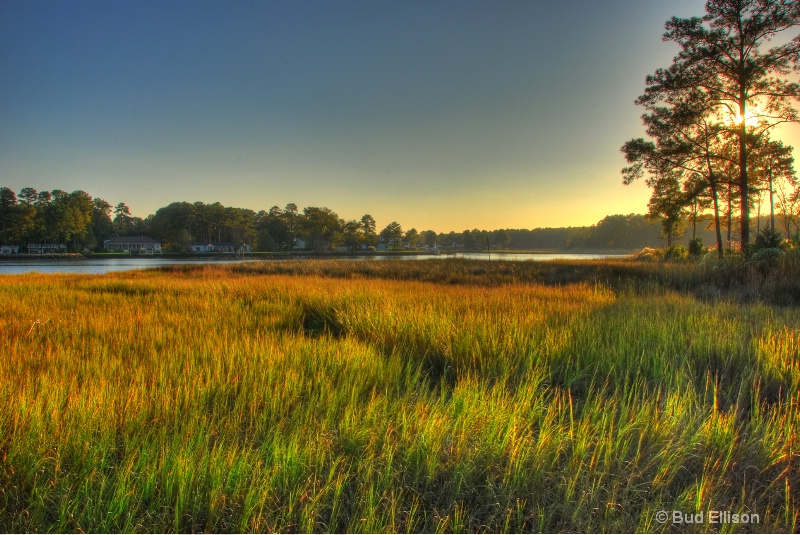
(766, 259)
(648, 254)
(696, 247)
(676, 252)
(768, 238)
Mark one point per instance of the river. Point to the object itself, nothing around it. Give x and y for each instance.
(105, 265)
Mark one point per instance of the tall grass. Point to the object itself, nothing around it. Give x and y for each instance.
(334, 396)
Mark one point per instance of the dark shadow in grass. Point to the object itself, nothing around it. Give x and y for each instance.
(131, 290)
(436, 371)
(321, 320)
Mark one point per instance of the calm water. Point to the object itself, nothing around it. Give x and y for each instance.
(105, 265)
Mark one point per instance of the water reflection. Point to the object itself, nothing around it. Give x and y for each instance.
(99, 266)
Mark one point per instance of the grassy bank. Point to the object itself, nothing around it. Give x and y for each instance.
(395, 396)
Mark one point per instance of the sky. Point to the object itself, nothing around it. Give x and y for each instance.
(442, 115)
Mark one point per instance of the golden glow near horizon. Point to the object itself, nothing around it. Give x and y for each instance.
(452, 116)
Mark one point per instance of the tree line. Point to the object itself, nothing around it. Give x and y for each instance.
(82, 222)
(711, 117)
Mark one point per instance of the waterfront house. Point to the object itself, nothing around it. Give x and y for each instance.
(224, 247)
(47, 248)
(219, 247)
(133, 244)
(202, 248)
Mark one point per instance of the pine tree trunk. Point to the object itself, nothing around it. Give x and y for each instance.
(730, 214)
(744, 208)
(771, 203)
(716, 217)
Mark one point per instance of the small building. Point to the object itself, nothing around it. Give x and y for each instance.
(47, 248)
(133, 244)
(224, 247)
(9, 249)
(217, 247)
(202, 248)
(220, 247)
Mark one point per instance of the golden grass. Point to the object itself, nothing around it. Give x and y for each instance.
(228, 399)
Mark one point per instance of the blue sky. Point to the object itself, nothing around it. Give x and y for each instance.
(442, 115)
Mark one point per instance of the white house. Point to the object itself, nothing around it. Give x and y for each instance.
(202, 248)
(130, 244)
(224, 247)
(219, 247)
(47, 248)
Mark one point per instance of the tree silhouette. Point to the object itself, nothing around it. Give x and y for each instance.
(724, 55)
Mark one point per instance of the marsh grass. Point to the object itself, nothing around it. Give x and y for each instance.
(432, 396)
(729, 278)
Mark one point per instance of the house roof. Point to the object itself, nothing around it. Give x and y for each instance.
(131, 240)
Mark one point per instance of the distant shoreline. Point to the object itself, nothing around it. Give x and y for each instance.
(56, 257)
